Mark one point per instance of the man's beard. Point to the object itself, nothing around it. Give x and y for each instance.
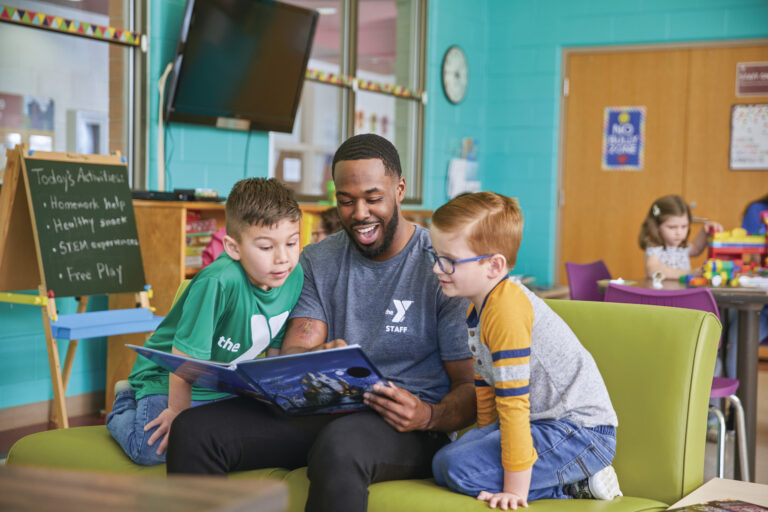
(386, 242)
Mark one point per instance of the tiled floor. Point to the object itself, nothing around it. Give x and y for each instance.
(8, 437)
(761, 454)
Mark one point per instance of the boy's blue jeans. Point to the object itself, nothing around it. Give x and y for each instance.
(126, 424)
(567, 453)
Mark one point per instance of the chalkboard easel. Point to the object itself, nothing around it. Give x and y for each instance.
(67, 229)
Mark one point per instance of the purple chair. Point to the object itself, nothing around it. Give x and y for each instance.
(583, 278)
(722, 387)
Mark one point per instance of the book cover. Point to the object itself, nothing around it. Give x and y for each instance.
(320, 382)
(721, 506)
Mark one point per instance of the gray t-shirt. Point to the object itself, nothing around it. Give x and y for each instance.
(394, 309)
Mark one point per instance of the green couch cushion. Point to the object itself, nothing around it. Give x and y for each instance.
(423, 495)
(93, 449)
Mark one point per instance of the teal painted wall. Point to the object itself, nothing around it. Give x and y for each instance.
(196, 156)
(522, 79)
(24, 373)
(446, 123)
(512, 108)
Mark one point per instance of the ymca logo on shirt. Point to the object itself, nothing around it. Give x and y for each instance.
(398, 315)
(263, 329)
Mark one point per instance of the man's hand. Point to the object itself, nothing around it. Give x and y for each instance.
(163, 424)
(505, 500)
(399, 407)
(337, 343)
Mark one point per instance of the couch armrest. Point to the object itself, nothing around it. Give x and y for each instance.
(657, 363)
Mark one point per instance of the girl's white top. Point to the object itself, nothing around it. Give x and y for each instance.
(672, 257)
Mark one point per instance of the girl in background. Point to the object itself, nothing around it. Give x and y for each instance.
(664, 237)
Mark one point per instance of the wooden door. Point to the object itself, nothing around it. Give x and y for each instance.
(602, 210)
(718, 192)
(688, 94)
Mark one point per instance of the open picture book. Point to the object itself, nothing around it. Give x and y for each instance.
(721, 506)
(320, 382)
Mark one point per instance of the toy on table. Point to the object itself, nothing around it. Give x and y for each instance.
(738, 246)
(719, 273)
(732, 255)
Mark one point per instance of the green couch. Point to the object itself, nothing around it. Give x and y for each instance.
(657, 363)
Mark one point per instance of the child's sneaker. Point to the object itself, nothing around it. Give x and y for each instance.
(122, 385)
(603, 485)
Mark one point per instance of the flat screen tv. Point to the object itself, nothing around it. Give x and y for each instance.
(240, 64)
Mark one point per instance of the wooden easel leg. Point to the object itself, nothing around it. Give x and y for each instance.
(59, 416)
(72, 347)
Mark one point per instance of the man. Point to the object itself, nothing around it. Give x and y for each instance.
(371, 285)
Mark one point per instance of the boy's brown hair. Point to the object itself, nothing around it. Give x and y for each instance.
(662, 209)
(496, 223)
(259, 202)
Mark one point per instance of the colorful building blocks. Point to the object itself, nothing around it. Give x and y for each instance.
(738, 246)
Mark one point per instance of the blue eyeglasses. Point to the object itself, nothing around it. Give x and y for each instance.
(448, 265)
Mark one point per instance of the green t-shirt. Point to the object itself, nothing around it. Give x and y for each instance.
(223, 317)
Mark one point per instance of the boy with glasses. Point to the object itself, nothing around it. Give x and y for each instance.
(546, 426)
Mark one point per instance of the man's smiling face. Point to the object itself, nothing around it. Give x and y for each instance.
(369, 204)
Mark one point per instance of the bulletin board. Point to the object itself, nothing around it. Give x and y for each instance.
(749, 137)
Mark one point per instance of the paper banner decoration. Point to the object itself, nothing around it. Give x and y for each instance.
(67, 26)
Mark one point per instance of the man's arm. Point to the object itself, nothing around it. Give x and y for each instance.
(458, 408)
(305, 334)
(406, 412)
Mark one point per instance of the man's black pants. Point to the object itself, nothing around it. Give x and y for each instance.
(344, 453)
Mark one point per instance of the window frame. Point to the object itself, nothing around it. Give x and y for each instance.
(349, 85)
(135, 99)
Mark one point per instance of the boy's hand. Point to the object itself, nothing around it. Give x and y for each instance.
(163, 424)
(505, 500)
(398, 407)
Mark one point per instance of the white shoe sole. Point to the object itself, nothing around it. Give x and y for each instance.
(604, 485)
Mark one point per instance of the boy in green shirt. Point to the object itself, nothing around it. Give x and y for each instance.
(233, 310)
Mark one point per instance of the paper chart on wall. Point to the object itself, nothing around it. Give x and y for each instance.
(749, 137)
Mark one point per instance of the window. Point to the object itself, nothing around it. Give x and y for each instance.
(69, 93)
(365, 75)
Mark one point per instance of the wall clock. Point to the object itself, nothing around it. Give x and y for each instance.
(455, 74)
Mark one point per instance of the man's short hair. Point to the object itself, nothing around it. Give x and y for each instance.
(495, 223)
(259, 201)
(366, 146)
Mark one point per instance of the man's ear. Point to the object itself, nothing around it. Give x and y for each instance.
(400, 189)
(497, 266)
(231, 247)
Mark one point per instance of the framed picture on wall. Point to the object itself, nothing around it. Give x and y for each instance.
(749, 137)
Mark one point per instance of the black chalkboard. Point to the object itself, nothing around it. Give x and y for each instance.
(86, 228)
